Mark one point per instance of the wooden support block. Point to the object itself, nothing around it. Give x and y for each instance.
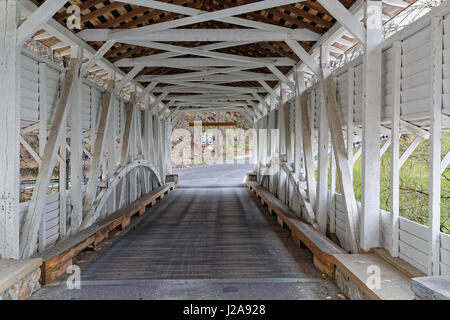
(101, 236)
(116, 223)
(50, 274)
(280, 221)
(57, 266)
(125, 223)
(55, 261)
(296, 239)
(142, 210)
(327, 268)
(134, 212)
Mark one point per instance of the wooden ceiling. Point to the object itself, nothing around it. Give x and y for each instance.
(101, 14)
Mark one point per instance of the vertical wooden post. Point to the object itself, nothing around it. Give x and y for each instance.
(163, 148)
(262, 136)
(133, 153)
(255, 148)
(42, 135)
(93, 122)
(332, 199)
(42, 107)
(97, 154)
(125, 141)
(350, 129)
(10, 129)
(395, 147)
(322, 166)
(147, 140)
(169, 145)
(308, 155)
(62, 183)
(111, 151)
(76, 156)
(159, 142)
(282, 143)
(287, 132)
(274, 147)
(350, 104)
(151, 137)
(125, 145)
(312, 117)
(370, 193)
(139, 146)
(434, 180)
(300, 87)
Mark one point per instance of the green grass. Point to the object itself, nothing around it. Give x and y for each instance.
(414, 175)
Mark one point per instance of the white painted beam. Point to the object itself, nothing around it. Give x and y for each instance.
(228, 78)
(281, 76)
(371, 119)
(395, 150)
(322, 159)
(146, 91)
(424, 134)
(38, 19)
(129, 76)
(346, 19)
(434, 180)
(303, 55)
(76, 156)
(188, 63)
(202, 35)
(99, 55)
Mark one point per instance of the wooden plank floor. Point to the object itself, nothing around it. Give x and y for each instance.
(203, 233)
(207, 239)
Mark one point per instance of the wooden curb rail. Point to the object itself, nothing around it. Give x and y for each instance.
(58, 258)
(302, 233)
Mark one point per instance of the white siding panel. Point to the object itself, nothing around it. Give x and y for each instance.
(53, 87)
(419, 258)
(445, 241)
(414, 228)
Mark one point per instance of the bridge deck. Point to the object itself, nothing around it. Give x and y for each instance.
(211, 234)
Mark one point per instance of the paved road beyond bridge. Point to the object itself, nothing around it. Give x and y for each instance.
(208, 239)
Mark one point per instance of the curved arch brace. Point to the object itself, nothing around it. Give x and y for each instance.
(113, 181)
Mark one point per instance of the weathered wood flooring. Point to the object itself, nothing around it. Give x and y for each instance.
(204, 233)
(207, 239)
